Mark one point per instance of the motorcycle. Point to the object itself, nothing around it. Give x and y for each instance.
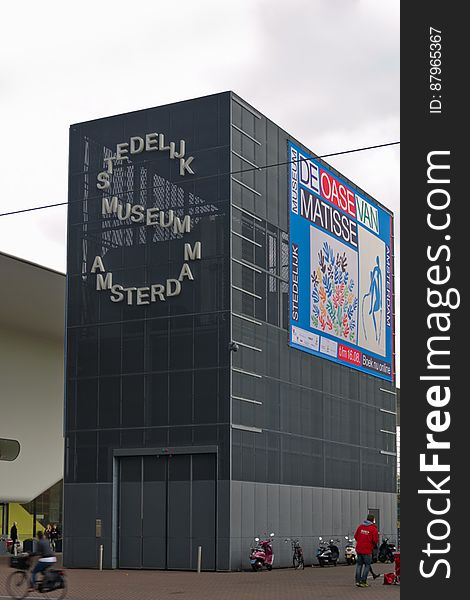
(350, 553)
(262, 555)
(386, 551)
(327, 553)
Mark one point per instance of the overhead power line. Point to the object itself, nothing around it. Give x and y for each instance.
(23, 210)
(289, 162)
(281, 164)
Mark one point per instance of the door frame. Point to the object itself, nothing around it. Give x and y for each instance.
(162, 451)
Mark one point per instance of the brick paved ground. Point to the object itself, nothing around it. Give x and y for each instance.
(281, 584)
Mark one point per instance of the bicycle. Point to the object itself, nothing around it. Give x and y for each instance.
(51, 583)
(297, 553)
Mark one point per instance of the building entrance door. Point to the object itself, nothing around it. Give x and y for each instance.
(167, 508)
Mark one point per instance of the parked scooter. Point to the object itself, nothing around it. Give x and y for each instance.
(350, 553)
(262, 555)
(327, 553)
(386, 551)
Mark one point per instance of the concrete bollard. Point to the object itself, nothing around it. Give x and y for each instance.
(101, 558)
(199, 558)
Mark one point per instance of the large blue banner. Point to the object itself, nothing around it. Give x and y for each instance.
(340, 270)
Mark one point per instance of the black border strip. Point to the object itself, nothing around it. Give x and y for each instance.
(434, 265)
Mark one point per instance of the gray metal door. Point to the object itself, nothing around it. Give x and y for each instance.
(167, 508)
(154, 512)
(130, 512)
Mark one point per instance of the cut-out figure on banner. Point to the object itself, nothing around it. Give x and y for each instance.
(375, 300)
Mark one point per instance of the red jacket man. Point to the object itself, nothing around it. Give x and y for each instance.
(366, 536)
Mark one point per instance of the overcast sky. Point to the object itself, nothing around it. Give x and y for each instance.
(327, 71)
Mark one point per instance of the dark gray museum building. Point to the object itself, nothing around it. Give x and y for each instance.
(190, 421)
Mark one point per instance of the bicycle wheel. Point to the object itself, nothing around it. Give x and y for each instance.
(298, 561)
(17, 584)
(58, 593)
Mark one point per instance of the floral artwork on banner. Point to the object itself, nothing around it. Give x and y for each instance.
(333, 285)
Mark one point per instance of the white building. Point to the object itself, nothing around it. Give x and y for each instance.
(31, 387)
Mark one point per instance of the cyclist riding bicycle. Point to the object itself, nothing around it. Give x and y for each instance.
(46, 559)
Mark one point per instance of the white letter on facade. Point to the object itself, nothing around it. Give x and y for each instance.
(97, 264)
(104, 283)
(185, 272)
(192, 254)
(182, 227)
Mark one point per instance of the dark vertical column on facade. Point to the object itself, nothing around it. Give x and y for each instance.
(155, 374)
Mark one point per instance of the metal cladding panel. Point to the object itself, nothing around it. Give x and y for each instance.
(236, 509)
(261, 508)
(391, 511)
(296, 511)
(273, 510)
(130, 501)
(336, 527)
(248, 514)
(208, 556)
(327, 516)
(154, 508)
(224, 508)
(317, 509)
(83, 552)
(236, 553)
(346, 519)
(284, 511)
(372, 499)
(306, 511)
(80, 504)
(357, 511)
(223, 553)
(130, 553)
(363, 506)
(153, 552)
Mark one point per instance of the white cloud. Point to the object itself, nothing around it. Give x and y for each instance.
(325, 71)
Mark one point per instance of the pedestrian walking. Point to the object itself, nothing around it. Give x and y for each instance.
(54, 535)
(374, 575)
(366, 536)
(13, 537)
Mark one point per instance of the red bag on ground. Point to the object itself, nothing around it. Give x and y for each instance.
(389, 578)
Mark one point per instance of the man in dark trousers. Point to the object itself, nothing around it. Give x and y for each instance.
(366, 536)
(14, 537)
